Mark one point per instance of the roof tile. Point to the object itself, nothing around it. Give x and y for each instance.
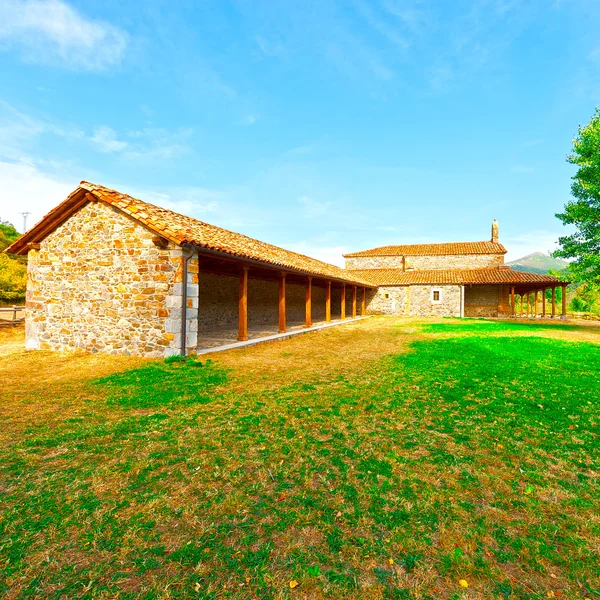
(503, 275)
(181, 229)
(450, 248)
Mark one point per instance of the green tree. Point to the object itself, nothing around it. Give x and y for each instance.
(8, 231)
(583, 210)
(13, 269)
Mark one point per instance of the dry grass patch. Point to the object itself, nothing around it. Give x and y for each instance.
(384, 459)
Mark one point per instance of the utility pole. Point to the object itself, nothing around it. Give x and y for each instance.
(25, 214)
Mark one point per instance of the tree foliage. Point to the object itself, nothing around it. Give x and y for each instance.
(13, 269)
(583, 210)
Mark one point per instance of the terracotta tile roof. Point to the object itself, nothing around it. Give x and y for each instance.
(433, 249)
(180, 230)
(453, 276)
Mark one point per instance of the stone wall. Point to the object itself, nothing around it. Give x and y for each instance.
(422, 263)
(374, 262)
(487, 300)
(415, 301)
(100, 284)
(420, 304)
(218, 303)
(388, 301)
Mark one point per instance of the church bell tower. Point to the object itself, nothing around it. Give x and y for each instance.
(495, 233)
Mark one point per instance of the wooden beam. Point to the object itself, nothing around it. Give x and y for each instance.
(553, 302)
(328, 303)
(544, 303)
(309, 302)
(354, 302)
(363, 305)
(282, 319)
(243, 306)
(343, 313)
(564, 301)
(33, 246)
(512, 300)
(160, 241)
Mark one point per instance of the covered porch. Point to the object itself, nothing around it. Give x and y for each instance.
(531, 301)
(243, 300)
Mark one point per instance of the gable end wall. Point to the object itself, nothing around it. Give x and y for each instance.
(100, 284)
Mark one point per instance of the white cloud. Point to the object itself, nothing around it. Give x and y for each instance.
(27, 189)
(328, 254)
(250, 120)
(53, 32)
(145, 145)
(105, 140)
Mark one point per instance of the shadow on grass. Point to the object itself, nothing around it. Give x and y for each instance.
(164, 384)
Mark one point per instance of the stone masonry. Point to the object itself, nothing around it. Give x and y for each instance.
(422, 263)
(99, 283)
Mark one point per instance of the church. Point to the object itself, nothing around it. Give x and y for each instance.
(110, 273)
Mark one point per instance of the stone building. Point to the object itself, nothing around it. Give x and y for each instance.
(460, 279)
(111, 273)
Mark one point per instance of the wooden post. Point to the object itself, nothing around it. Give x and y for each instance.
(535, 305)
(544, 303)
(526, 303)
(564, 302)
(328, 303)
(521, 303)
(243, 306)
(363, 305)
(309, 302)
(512, 300)
(282, 320)
(553, 302)
(354, 302)
(343, 313)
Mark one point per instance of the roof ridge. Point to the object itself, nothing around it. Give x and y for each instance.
(182, 229)
(206, 223)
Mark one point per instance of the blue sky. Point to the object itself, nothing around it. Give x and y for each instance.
(321, 126)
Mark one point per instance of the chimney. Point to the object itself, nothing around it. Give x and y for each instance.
(495, 231)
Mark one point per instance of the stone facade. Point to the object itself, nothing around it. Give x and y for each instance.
(218, 303)
(416, 301)
(487, 301)
(99, 283)
(424, 263)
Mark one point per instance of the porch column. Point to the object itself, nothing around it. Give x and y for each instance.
(282, 323)
(343, 314)
(553, 302)
(328, 303)
(535, 306)
(243, 306)
(564, 302)
(512, 300)
(353, 301)
(309, 302)
(363, 304)
(544, 303)
(521, 303)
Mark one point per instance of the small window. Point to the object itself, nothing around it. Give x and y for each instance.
(386, 295)
(436, 296)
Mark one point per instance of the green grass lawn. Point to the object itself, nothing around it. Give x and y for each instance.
(470, 456)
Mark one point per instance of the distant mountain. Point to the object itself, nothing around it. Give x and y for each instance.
(538, 262)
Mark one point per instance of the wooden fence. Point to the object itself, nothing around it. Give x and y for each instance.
(11, 315)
